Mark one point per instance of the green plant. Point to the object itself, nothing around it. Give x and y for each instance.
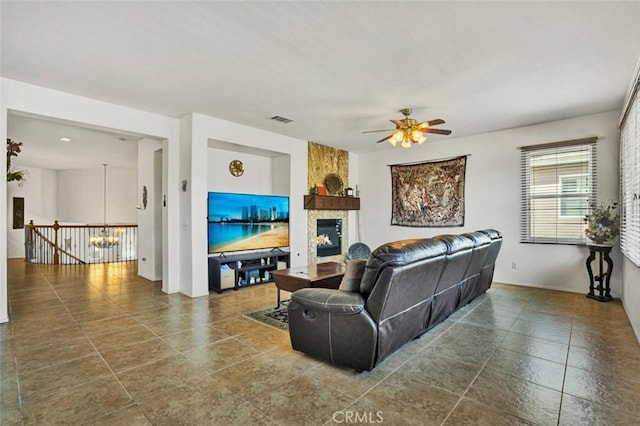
(603, 224)
(13, 149)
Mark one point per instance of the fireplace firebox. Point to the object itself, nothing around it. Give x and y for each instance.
(329, 237)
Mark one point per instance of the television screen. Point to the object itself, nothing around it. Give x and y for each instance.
(247, 221)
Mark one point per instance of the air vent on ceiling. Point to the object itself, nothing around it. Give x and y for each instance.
(281, 119)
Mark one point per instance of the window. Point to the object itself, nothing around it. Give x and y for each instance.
(558, 186)
(630, 178)
(574, 184)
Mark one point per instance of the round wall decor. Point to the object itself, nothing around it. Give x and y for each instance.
(236, 168)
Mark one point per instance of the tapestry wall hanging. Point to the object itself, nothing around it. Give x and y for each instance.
(429, 194)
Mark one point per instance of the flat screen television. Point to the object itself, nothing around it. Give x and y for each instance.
(238, 222)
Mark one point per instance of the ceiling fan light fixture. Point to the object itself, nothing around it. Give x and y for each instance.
(409, 131)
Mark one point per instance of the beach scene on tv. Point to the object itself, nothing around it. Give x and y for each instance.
(247, 221)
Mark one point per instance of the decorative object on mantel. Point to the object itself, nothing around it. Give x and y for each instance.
(334, 184)
(428, 194)
(348, 192)
(322, 190)
(236, 168)
(13, 149)
(603, 224)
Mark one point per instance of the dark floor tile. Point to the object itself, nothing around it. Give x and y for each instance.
(193, 404)
(446, 373)
(79, 405)
(541, 348)
(135, 355)
(158, 376)
(61, 377)
(618, 394)
(517, 397)
(403, 400)
(472, 413)
(577, 411)
(525, 367)
(302, 400)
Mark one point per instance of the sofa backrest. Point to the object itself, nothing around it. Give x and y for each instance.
(399, 281)
(469, 287)
(401, 274)
(447, 295)
(486, 273)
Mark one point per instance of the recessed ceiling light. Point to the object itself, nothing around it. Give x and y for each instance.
(65, 139)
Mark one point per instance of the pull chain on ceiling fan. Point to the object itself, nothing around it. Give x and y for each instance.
(408, 131)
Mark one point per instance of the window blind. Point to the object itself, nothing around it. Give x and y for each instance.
(630, 179)
(559, 186)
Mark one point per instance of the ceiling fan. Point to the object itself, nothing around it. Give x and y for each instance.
(409, 131)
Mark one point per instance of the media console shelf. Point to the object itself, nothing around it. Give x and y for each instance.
(233, 271)
(330, 202)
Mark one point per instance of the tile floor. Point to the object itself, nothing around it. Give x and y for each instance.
(98, 345)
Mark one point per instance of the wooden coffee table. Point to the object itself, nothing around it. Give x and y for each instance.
(323, 275)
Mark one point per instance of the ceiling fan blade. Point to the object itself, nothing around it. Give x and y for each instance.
(437, 131)
(384, 139)
(435, 122)
(374, 131)
(399, 124)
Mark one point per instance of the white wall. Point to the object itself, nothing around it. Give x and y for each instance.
(492, 197)
(202, 130)
(148, 217)
(40, 192)
(81, 196)
(256, 179)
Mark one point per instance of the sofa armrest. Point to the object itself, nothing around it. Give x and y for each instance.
(329, 300)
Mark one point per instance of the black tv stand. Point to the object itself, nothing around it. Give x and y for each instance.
(237, 270)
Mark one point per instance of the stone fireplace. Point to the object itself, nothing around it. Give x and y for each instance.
(324, 160)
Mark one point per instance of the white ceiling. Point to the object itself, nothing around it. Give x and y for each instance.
(335, 68)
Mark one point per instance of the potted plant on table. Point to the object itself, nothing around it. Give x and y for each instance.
(603, 224)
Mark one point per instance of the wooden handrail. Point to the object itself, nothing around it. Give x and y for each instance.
(89, 225)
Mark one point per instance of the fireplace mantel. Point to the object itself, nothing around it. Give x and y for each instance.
(329, 202)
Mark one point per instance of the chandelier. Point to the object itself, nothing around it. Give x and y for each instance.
(104, 240)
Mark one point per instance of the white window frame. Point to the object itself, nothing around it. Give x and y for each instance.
(578, 193)
(529, 154)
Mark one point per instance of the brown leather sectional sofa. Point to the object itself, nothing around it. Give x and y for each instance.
(408, 287)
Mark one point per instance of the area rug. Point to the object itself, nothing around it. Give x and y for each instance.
(274, 317)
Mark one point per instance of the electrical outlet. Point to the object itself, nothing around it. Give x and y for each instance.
(514, 265)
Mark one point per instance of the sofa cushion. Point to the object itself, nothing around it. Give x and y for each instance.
(353, 275)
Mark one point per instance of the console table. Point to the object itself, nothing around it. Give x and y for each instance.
(324, 275)
(603, 277)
